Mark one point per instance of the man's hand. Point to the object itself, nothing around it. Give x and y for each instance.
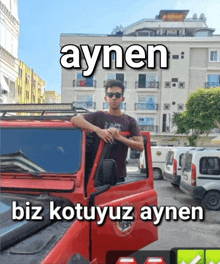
(114, 131)
(106, 135)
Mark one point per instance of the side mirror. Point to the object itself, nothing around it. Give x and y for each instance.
(109, 172)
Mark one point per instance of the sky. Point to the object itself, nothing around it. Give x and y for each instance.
(42, 22)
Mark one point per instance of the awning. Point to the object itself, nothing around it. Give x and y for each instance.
(216, 140)
(4, 85)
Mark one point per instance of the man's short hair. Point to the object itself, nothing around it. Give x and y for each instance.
(114, 83)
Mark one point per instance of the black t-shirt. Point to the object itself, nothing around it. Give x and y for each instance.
(124, 122)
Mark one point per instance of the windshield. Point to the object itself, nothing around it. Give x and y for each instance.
(41, 150)
(169, 158)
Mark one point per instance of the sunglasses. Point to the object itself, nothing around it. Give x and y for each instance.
(117, 95)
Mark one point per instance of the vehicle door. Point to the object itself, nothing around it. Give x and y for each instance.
(208, 170)
(120, 235)
(169, 162)
(187, 168)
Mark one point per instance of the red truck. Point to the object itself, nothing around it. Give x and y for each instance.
(43, 164)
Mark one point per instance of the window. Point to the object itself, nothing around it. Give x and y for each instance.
(180, 107)
(182, 85)
(213, 80)
(174, 79)
(146, 124)
(27, 94)
(187, 162)
(146, 103)
(146, 121)
(167, 84)
(169, 158)
(175, 57)
(148, 80)
(116, 76)
(50, 151)
(84, 82)
(27, 78)
(85, 101)
(166, 107)
(20, 73)
(213, 55)
(34, 83)
(181, 159)
(210, 165)
(166, 123)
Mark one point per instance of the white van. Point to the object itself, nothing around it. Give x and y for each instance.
(174, 160)
(200, 176)
(158, 161)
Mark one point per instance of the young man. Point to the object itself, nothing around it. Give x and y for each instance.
(107, 125)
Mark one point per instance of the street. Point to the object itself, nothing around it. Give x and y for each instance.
(183, 233)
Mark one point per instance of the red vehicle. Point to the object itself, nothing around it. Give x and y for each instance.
(44, 164)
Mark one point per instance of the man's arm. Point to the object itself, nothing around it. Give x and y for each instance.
(136, 143)
(105, 134)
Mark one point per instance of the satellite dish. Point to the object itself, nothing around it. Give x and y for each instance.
(194, 16)
(202, 16)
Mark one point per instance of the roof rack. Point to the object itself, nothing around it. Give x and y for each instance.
(63, 111)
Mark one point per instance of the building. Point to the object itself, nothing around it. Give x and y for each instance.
(52, 97)
(9, 36)
(152, 95)
(31, 87)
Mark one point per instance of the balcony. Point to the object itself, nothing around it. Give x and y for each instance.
(105, 106)
(212, 84)
(146, 107)
(124, 83)
(147, 85)
(149, 128)
(84, 83)
(87, 105)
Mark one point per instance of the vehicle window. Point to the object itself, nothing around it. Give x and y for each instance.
(40, 150)
(169, 158)
(181, 159)
(187, 161)
(210, 165)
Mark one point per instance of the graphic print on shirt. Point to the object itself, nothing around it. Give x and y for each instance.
(116, 125)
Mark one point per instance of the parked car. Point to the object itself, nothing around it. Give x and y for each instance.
(174, 160)
(200, 176)
(158, 161)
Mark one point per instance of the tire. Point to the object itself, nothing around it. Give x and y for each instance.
(175, 185)
(211, 200)
(157, 174)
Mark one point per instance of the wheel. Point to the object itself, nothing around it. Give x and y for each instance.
(157, 174)
(211, 200)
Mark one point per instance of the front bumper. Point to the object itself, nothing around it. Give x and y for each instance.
(197, 192)
(174, 179)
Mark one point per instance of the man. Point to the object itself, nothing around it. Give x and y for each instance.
(107, 125)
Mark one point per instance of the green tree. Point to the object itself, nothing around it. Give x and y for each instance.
(201, 115)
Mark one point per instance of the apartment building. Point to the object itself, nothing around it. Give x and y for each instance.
(31, 87)
(152, 95)
(52, 97)
(9, 36)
